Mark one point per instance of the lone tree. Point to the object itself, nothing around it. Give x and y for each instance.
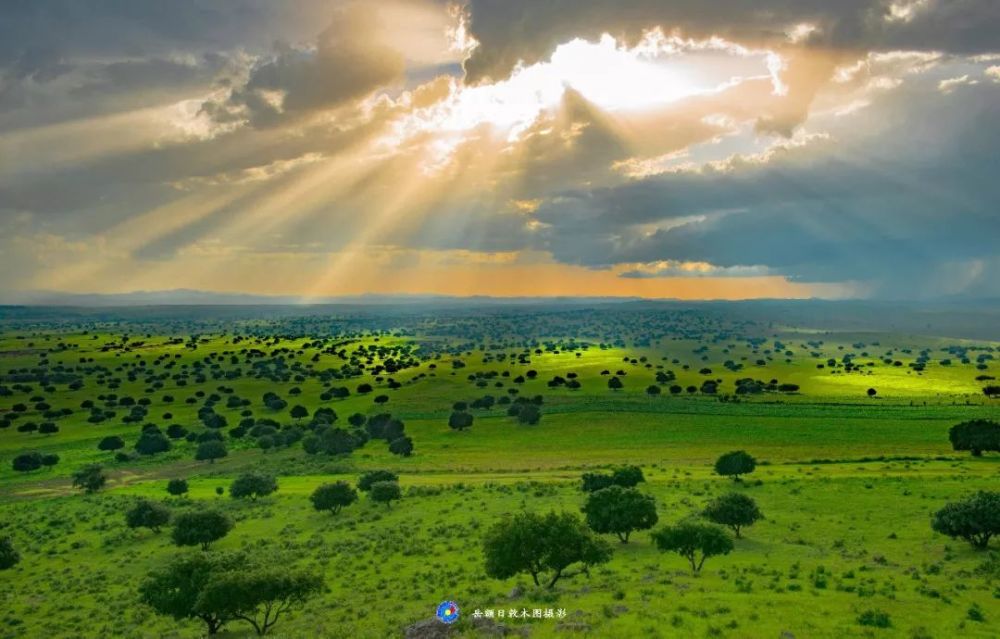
(976, 435)
(333, 497)
(299, 412)
(177, 487)
(90, 478)
(620, 511)
(200, 528)
(253, 485)
(147, 514)
(539, 544)
(385, 492)
(9, 556)
(734, 510)
(258, 596)
(210, 450)
(615, 384)
(735, 464)
(975, 519)
(691, 539)
(872, 392)
(368, 479)
(175, 589)
(992, 391)
(460, 420)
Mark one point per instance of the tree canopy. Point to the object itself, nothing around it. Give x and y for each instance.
(370, 477)
(9, 557)
(734, 510)
(620, 511)
(253, 484)
(333, 497)
(210, 450)
(694, 541)
(259, 596)
(385, 492)
(539, 544)
(976, 435)
(147, 513)
(200, 528)
(90, 478)
(735, 464)
(975, 519)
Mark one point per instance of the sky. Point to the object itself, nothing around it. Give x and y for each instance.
(657, 148)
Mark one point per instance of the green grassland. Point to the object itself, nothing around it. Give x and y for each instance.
(847, 482)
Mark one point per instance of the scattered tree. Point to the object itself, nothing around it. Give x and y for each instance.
(627, 476)
(620, 511)
(370, 478)
(210, 450)
(735, 464)
(385, 492)
(596, 481)
(734, 510)
(27, 462)
(538, 544)
(111, 443)
(176, 589)
(460, 420)
(529, 414)
(691, 539)
(401, 446)
(177, 487)
(90, 478)
(975, 519)
(259, 596)
(253, 485)
(200, 528)
(152, 442)
(9, 557)
(333, 496)
(977, 435)
(147, 514)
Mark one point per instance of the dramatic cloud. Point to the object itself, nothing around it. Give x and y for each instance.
(349, 61)
(735, 148)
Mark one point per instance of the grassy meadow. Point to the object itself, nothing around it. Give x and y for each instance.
(847, 478)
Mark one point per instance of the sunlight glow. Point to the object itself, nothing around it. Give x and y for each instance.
(602, 72)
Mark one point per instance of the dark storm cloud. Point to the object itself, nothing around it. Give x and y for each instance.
(64, 59)
(907, 189)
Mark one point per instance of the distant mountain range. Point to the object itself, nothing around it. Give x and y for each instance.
(190, 297)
